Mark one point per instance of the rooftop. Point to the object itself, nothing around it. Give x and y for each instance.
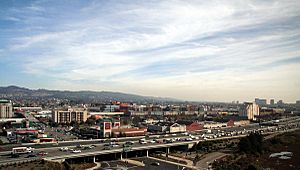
(4, 101)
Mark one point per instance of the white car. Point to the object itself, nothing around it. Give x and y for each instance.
(143, 142)
(188, 139)
(76, 151)
(64, 149)
(152, 141)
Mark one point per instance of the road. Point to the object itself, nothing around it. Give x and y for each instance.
(228, 133)
(209, 158)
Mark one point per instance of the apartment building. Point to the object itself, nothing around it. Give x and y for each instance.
(69, 115)
(6, 109)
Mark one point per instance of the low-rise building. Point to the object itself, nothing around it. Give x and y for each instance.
(167, 127)
(213, 125)
(191, 125)
(127, 132)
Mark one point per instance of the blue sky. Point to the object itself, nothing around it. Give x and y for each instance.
(193, 50)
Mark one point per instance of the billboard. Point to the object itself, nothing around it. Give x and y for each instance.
(107, 125)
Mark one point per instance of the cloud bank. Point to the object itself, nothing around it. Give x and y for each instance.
(194, 50)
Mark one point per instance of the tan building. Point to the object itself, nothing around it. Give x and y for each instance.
(67, 116)
(6, 109)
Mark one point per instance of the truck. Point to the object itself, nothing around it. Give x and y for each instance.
(208, 131)
(22, 150)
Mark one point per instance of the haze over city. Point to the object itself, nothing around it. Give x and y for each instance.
(192, 50)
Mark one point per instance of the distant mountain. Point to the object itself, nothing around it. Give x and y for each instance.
(15, 92)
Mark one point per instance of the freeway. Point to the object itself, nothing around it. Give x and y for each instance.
(97, 141)
(162, 141)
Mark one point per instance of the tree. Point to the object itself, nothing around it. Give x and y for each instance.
(251, 143)
(91, 121)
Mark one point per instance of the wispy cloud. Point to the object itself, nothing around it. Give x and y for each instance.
(156, 46)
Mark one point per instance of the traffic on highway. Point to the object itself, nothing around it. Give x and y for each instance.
(116, 145)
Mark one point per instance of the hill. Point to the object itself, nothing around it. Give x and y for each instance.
(21, 93)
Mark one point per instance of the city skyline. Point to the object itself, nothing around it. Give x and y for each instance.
(199, 51)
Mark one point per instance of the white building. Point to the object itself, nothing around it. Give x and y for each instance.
(167, 127)
(6, 109)
(251, 110)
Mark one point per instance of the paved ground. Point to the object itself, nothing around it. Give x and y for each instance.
(208, 158)
(189, 162)
(149, 165)
(115, 165)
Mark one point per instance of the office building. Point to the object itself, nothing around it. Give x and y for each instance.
(280, 103)
(298, 104)
(69, 115)
(272, 102)
(6, 109)
(261, 102)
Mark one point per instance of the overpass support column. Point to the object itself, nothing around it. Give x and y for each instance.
(121, 155)
(94, 159)
(167, 151)
(147, 153)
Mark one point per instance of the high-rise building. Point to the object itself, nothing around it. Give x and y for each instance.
(67, 116)
(261, 102)
(280, 103)
(298, 104)
(272, 102)
(251, 110)
(6, 109)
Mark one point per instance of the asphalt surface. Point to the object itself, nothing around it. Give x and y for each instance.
(203, 164)
(150, 166)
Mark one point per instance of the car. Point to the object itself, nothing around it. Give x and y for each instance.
(185, 133)
(188, 139)
(76, 151)
(158, 141)
(129, 143)
(107, 148)
(43, 153)
(107, 144)
(152, 141)
(79, 146)
(64, 149)
(114, 145)
(88, 147)
(143, 142)
(155, 163)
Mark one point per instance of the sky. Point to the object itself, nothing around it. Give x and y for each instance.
(192, 50)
